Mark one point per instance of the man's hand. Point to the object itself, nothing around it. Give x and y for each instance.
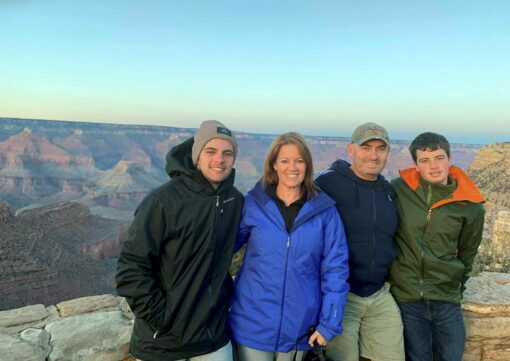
(317, 337)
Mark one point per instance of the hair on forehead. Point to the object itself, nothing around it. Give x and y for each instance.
(429, 141)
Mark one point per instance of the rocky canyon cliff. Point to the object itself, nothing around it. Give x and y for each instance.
(68, 191)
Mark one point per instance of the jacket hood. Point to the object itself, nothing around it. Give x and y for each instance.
(466, 190)
(178, 159)
(343, 167)
(180, 165)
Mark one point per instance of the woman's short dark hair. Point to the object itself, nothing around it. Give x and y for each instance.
(429, 141)
(269, 175)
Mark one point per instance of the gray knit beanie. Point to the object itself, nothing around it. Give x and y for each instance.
(210, 129)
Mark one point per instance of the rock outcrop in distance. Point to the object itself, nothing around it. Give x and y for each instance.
(490, 170)
(56, 252)
(110, 167)
(99, 327)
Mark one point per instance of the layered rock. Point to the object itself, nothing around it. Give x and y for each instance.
(490, 170)
(57, 161)
(108, 247)
(34, 168)
(486, 309)
(5, 212)
(55, 253)
(123, 186)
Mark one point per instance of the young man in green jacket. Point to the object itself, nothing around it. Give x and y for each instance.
(440, 228)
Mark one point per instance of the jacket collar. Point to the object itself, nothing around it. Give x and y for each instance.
(466, 190)
(310, 208)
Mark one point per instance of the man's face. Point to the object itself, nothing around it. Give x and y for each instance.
(433, 165)
(216, 161)
(369, 158)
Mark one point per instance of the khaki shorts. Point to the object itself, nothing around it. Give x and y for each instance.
(372, 329)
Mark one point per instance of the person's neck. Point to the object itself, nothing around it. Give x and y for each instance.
(288, 194)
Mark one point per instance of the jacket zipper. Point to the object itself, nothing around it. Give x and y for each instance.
(283, 291)
(422, 266)
(373, 234)
(209, 294)
(211, 309)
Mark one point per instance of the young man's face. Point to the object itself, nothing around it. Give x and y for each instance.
(368, 159)
(433, 165)
(216, 161)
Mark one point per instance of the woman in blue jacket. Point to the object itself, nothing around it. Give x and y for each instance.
(294, 273)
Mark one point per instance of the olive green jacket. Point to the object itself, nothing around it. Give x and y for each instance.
(440, 229)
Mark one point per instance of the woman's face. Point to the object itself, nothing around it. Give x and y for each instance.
(290, 166)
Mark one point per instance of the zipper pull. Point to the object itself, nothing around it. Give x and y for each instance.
(155, 334)
(429, 215)
(288, 241)
(217, 201)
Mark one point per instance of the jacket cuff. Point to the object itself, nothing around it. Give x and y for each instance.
(326, 333)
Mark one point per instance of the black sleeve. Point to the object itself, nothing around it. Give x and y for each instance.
(137, 278)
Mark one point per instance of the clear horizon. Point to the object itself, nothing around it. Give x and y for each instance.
(319, 68)
(269, 132)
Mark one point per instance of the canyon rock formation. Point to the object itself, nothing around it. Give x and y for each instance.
(56, 252)
(110, 167)
(490, 170)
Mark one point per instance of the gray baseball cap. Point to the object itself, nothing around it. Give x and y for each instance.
(369, 131)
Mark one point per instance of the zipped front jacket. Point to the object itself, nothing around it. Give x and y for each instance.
(369, 213)
(440, 229)
(174, 267)
(289, 281)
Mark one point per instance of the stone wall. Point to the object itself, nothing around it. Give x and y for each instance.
(486, 309)
(98, 328)
(95, 328)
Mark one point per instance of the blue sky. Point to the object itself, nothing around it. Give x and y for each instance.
(317, 67)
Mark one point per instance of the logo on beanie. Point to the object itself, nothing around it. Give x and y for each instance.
(223, 130)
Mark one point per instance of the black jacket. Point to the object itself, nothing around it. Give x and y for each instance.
(369, 214)
(174, 267)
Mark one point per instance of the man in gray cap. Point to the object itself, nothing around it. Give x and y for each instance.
(174, 266)
(366, 203)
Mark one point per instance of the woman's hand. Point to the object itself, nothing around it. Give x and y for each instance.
(317, 337)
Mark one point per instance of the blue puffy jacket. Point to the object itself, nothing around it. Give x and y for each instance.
(289, 281)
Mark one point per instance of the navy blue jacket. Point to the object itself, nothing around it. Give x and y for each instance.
(289, 281)
(369, 214)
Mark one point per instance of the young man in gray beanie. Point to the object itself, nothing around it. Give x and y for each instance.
(174, 266)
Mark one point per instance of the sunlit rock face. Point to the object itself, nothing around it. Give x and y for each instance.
(486, 307)
(490, 171)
